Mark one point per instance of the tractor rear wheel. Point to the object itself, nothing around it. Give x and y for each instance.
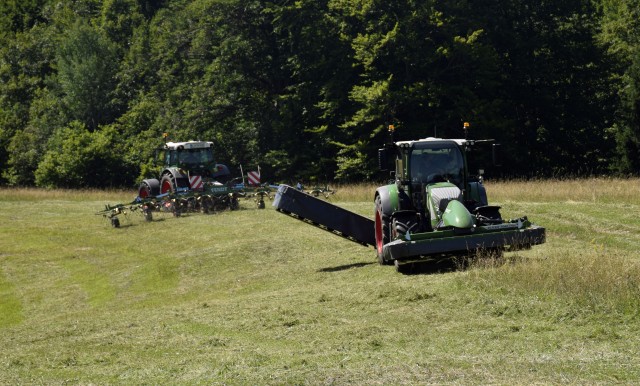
(382, 231)
(167, 185)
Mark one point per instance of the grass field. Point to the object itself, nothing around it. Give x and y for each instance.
(255, 297)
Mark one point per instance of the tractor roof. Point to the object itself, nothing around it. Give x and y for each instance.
(460, 142)
(188, 145)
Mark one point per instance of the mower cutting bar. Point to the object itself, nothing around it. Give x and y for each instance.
(324, 215)
(513, 239)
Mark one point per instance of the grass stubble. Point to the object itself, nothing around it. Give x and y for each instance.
(254, 297)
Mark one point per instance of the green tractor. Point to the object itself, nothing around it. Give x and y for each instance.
(435, 207)
(189, 180)
(186, 166)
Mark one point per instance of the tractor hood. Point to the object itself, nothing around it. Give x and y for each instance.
(457, 216)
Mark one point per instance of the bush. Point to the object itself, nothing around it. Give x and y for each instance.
(79, 158)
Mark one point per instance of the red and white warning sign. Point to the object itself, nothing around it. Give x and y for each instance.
(254, 178)
(196, 182)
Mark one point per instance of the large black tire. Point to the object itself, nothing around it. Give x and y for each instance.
(149, 188)
(167, 185)
(381, 231)
(405, 222)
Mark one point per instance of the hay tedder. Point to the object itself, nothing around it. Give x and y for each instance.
(434, 208)
(190, 181)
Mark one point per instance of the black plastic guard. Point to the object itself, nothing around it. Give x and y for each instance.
(324, 215)
(512, 240)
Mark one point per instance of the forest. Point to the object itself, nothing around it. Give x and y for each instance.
(307, 88)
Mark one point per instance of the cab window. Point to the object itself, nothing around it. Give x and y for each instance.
(437, 162)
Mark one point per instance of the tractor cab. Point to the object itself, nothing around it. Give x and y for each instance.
(430, 174)
(436, 161)
(190, 155)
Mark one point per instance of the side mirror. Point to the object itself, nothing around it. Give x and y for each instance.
(495, 152)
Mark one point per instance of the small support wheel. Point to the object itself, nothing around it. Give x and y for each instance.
(234, 204)
(115, 222)
(204, 205)
(146, 212)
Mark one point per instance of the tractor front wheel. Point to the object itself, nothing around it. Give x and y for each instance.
(381, 230)
(149, 188)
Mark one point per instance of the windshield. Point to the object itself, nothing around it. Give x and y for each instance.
(436, 162)
(201, 156)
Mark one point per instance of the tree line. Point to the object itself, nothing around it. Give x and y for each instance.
(307, 88)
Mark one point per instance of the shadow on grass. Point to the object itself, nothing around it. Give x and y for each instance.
(345, 267)
(458, 264)
(441, 265)
(431, 267)
(414, 268)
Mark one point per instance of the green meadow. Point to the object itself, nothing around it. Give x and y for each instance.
(256, 297)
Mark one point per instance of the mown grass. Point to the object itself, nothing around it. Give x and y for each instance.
(255, 297)
(589, 190)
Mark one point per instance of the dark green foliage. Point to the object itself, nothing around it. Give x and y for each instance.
(621, 34)
(306, 89)
(25, 70)
(87, 63)
(627, 130)
(80, 158)
(20, 15)
(554, 91)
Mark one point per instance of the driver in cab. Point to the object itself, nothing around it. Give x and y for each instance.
(432, 167)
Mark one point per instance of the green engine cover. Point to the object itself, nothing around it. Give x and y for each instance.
(457, 216)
